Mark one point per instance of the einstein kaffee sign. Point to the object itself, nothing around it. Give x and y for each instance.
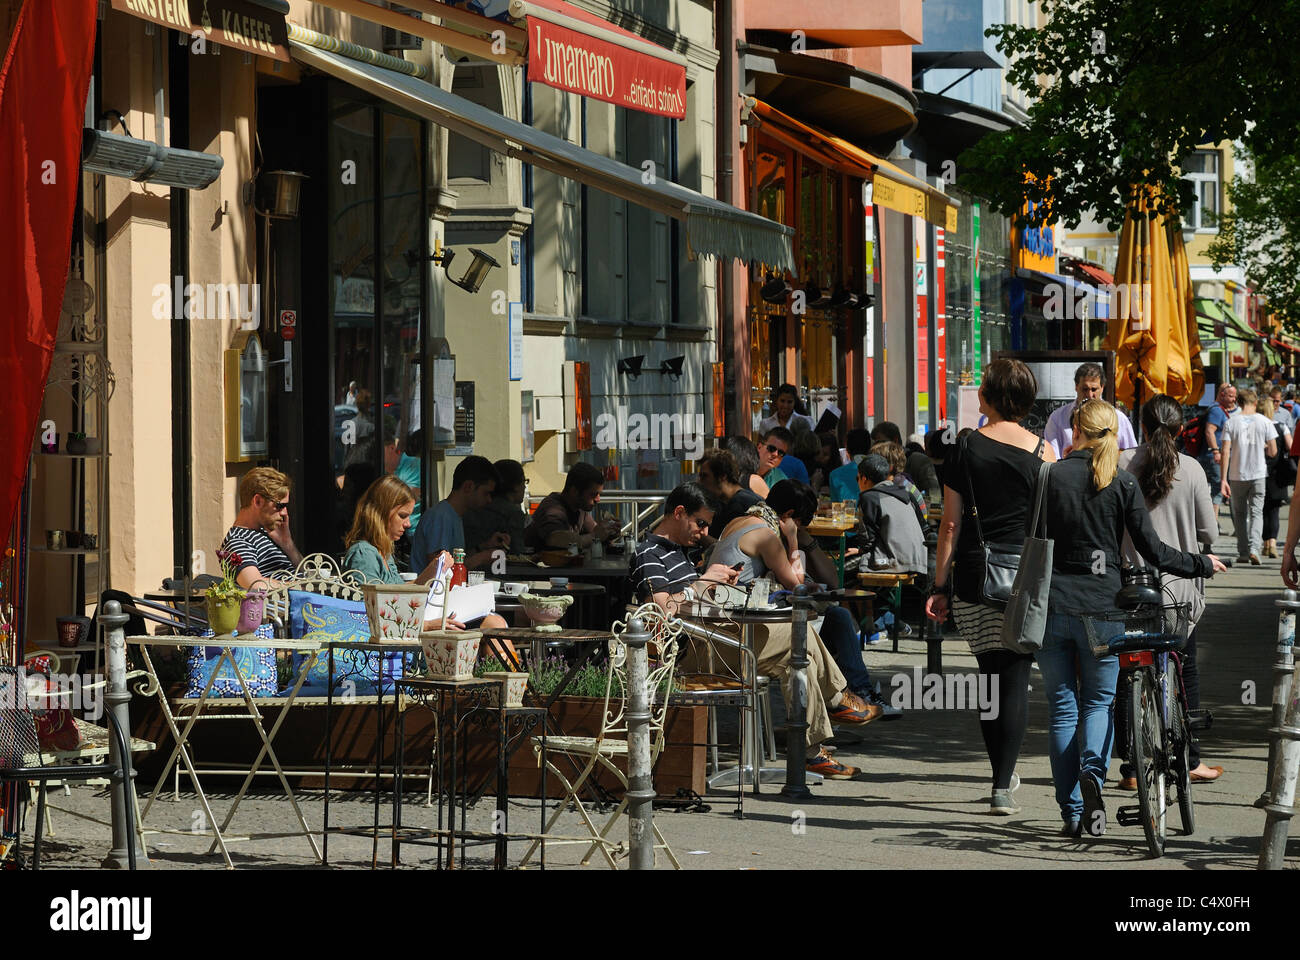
(573, 51)
(254, 26)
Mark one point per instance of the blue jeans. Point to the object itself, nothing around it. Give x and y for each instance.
(840, 634)
(1206, 460)
(1080, 696)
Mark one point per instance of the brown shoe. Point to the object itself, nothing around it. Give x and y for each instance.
(1254, 560)
(854, 710)
(830, 768)
(1127, 783)
(1270, 550)
(1203, 778)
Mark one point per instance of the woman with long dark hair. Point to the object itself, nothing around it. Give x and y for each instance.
(1177, 496)
(993, 470)
(1090, 505)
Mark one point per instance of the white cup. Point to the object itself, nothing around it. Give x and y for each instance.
(513, 588)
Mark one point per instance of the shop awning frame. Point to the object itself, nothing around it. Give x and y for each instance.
(892, 187)
(712, 227)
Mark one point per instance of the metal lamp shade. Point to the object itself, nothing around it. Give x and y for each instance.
(286, 193)
(477, 271)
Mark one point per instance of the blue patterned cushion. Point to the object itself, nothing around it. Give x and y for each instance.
(316, 617)
(257, 664)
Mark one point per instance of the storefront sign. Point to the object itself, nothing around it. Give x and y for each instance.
(1034, 248)
(239, 24)
(573, 61)
(516, 341)
(977, 347)
(921, 268)
(940, 327)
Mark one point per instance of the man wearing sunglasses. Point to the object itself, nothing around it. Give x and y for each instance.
(771, 451)
(259, 545)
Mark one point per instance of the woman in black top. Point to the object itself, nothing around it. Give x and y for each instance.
(1090, 504)
(998, 465)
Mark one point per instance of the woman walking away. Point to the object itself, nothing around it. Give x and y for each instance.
(1090, 504)
(992, 470)
(1281, 473)
(1182, 515)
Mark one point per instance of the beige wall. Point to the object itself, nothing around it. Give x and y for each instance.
(139, 343)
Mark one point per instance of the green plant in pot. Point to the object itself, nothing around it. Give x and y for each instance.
(224, 599)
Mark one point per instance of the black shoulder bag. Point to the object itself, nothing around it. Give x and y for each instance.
(1001, 560)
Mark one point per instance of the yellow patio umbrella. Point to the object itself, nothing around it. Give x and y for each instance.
(1148, 328)
(1183, 288)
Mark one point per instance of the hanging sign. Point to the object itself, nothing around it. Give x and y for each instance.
(239, 24)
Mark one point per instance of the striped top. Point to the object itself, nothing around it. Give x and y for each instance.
(254, 548)
(660, 566)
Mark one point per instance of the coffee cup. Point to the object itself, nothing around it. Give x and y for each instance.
(513, 588)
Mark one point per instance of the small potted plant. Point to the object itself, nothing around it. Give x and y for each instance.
(225, 598)
(76, 443)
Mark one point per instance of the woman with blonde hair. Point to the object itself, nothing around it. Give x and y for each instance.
(1091, 503)
(382, 515)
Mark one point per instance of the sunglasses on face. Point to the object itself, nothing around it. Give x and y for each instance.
(700, 522)
(278, 507)
(777, 450)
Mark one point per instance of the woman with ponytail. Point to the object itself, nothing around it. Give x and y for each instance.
(1091, 503)
(1182, 514)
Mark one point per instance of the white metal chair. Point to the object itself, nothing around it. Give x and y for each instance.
(611, 743)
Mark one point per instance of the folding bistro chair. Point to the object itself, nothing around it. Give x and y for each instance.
(601, 750)
(22, 760)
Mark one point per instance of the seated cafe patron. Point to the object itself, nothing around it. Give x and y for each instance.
(259, 545)
(566, 517)
(442, 528)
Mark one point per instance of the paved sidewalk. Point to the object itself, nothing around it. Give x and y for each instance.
(920, 801)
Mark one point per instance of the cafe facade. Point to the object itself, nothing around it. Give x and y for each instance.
(386, 242)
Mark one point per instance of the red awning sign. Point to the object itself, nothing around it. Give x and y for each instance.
(573, 61)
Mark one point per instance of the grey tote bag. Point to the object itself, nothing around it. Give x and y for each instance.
(1025, 619)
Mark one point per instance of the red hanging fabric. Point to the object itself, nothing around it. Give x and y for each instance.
(43, 83)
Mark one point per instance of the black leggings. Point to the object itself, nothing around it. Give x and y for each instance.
(1004, 734)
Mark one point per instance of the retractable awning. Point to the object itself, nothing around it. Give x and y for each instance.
(892, 188)
(713, 228)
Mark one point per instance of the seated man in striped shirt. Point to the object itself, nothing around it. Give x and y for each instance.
(660, 571)
(259, 545)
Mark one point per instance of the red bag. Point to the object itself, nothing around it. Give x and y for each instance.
(56, 728)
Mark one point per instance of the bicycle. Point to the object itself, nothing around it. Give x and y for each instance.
(1159, 724)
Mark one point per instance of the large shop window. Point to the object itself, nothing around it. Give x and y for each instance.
(629, 251)
(378, 235)
(1202, 169)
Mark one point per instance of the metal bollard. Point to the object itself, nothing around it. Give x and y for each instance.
(117, 699)
(1283, 674)
(1286, 737)
(640, 792)
(796, 726)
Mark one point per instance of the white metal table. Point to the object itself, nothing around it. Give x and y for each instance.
(228, 643)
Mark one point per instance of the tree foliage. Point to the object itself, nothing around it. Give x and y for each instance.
(1124, 89)
(1261, 231)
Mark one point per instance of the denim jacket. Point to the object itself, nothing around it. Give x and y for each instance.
(1088, 528)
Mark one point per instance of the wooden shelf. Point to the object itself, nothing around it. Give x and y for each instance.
(71, 551)
(73, 456)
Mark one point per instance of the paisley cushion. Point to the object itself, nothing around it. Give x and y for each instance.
(257, 664)
(330, 619)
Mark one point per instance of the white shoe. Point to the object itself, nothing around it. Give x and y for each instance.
(1015, 783)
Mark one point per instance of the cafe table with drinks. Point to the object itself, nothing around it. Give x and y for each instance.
(834, 521)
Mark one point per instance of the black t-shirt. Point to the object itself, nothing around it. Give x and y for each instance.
(1002, 478)
(735, 507)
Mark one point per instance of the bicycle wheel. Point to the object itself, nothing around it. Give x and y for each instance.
(1180, 744)
(1148, 758)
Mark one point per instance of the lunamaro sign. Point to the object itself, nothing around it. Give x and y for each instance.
(239, 24)
(573, 61)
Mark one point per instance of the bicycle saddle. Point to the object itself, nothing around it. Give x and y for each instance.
(1137, 595)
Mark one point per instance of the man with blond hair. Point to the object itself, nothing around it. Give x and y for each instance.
(259, 545)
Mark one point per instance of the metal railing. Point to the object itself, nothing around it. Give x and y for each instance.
(633, 508)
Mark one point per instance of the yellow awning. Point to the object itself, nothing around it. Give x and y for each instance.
(892, 187)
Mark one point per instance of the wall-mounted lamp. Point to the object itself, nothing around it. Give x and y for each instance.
(814, 296)
(846, 298)
(631, 366)
(285, 190)
(775, 290)
(672, 367)
(475, 273)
